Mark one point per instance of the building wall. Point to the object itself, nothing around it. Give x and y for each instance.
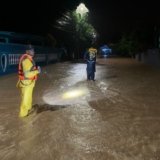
(150, 56)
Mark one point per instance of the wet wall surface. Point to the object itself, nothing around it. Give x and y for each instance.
(117, 117)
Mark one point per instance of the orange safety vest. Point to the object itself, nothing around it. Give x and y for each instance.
(20, 69)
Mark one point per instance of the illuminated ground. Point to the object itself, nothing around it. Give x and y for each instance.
(117, 117)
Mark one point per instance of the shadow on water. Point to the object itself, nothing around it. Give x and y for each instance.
(38, 108)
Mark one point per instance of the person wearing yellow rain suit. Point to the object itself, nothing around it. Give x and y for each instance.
(27, 73)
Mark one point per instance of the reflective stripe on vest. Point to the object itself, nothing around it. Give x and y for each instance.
(21, 75)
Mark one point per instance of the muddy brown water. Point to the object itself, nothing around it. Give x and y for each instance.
(117, 117)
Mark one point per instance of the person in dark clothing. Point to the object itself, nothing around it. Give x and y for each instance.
(90, 56)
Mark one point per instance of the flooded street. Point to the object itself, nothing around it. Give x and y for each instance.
(117, 117)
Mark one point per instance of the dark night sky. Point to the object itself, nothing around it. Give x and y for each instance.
(110, 18)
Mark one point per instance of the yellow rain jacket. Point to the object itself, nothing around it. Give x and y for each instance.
(26, 66)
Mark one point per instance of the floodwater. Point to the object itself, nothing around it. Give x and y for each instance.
(117, 117)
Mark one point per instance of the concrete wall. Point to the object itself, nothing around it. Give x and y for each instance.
(150, 56)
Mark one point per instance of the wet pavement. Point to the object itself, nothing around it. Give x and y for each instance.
(117, 117)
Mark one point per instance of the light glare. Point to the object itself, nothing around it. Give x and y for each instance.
(81, 9)
(73, 94)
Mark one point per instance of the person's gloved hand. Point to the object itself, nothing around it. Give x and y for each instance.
(39, 69)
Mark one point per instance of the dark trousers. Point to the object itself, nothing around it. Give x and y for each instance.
(90, 75)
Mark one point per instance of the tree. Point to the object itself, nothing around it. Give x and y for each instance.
(122, 46)
(50, 40)
(78, 32)
(140, 39)
(137, 41)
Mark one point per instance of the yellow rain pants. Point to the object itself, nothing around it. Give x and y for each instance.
(26, 103)
(26, 88)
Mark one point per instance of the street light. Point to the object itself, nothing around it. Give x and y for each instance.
(81, 9)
